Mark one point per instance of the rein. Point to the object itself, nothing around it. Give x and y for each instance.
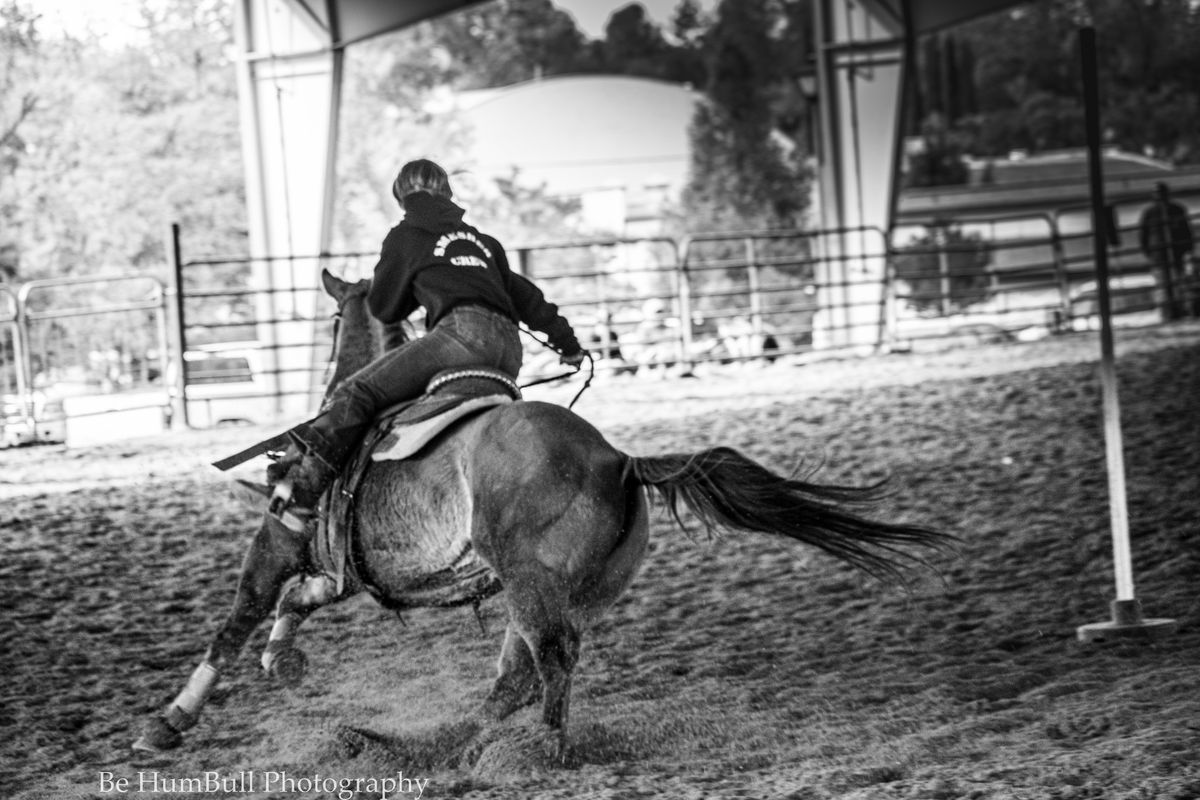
(588, 382)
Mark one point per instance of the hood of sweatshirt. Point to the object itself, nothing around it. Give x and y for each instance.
(432, 213)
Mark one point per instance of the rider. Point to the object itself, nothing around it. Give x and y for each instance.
(472, 302)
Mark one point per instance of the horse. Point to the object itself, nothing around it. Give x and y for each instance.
(557, 517)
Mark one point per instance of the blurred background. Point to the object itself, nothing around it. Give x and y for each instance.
(701, 185)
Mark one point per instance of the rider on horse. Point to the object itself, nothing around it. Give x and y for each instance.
(472, 302)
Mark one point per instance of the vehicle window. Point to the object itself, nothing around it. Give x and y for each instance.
(219, 369)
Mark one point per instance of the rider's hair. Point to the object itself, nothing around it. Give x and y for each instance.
(421, 175)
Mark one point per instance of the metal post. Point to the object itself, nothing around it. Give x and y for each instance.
(1062, 277)
(1166, 260)
(177, 391)
(1126, 610)
(888, 313)
(684, 293)
(21, 359)
(944, 284)
(755, 289)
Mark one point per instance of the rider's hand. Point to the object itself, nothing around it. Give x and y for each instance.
(574, 359)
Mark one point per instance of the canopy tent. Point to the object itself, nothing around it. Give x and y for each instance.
(350, 21)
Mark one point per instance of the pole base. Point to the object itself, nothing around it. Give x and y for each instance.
(1127, 624)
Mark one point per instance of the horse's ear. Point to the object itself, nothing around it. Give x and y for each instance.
(250, 495)
(335, 287)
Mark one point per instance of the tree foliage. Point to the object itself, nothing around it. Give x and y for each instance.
(102, 144)
(944, 269)
(1012, 80)
(119, 141)
(748, 166)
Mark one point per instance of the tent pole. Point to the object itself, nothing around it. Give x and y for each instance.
(1127, 617)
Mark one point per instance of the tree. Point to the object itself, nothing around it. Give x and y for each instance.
(939, 162)
(633, 43)
(745, 171)
(394, 85)
(1016, 81)
(125, 139)
(509, 41)
(945, 269)
(18, 44)
(18, 100)
(390, 116)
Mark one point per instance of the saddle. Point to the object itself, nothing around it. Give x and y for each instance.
(451, 395)
(399, 432)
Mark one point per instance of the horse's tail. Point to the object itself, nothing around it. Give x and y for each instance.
(727, 490)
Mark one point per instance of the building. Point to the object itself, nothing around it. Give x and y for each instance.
(619, 144)
(1053, 182)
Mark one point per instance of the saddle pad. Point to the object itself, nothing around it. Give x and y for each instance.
(407, 438)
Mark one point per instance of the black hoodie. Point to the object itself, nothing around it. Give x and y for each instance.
(434, 259)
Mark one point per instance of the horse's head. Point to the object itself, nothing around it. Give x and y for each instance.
(358, 337)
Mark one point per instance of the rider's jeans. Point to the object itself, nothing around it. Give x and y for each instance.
(468, 336)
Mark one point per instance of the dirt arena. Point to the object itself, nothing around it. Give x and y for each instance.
(742, 667)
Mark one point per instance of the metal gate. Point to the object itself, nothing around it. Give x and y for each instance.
(85, 356)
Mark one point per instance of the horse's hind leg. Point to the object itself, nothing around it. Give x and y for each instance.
(537, 603)
(517, 684)
(275, 555)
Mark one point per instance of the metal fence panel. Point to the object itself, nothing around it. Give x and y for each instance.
(622, 296)
(11, 374)
(753, 294)
(87, 347)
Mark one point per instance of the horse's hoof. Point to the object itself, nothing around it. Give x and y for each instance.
(288, 667)
(563, 753)
(157, 737)
(503, 702)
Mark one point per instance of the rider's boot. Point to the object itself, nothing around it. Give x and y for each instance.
(319, 450)
(302, 475)
(277, 470)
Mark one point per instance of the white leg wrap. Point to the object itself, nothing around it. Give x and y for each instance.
(317, 590)
(282, 631)
(192, 698)
(283, 628)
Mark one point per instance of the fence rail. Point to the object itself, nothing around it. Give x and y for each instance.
(197, 344)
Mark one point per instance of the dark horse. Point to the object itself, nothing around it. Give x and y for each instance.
(550, 509)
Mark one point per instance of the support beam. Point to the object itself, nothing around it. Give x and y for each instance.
(1127, 621)
(862, 59)
(289, 80)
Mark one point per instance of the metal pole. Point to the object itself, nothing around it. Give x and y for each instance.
(1108, 377)
(755, 289)
(684, 293)
(21, 344)
(1127, 617)
(178, 390)
(944, 286)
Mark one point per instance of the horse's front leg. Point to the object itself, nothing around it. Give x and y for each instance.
(282, 660)
(275, 555)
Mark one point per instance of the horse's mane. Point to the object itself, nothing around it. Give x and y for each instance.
(361, 338)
